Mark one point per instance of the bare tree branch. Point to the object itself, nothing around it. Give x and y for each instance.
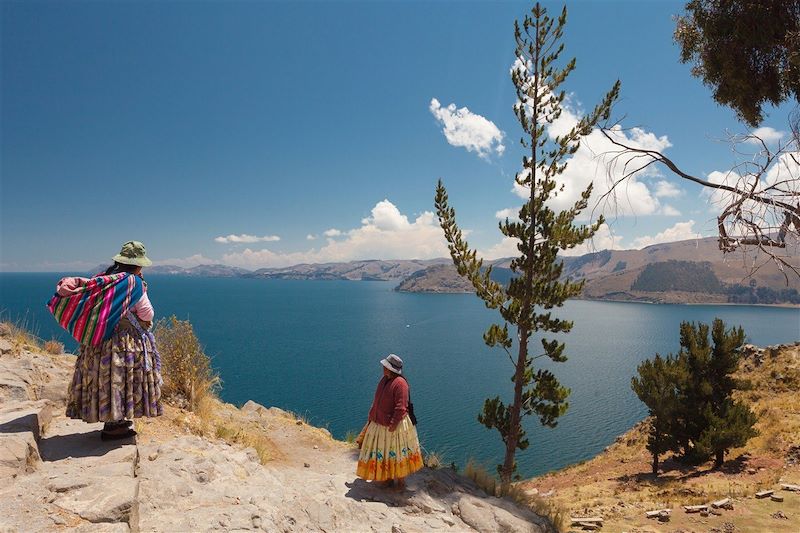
(759, 198)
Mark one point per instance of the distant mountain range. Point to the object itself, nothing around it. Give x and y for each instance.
(372, 270)
(209, 271)
(693, 271)
(369, 270)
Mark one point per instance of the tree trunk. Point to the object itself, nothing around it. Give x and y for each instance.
(655, 464)
(719, 459)
(513, 433)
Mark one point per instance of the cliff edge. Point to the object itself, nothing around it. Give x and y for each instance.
(56, 474)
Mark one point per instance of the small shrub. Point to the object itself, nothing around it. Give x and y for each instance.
(53, 347)
(485, 481)
(433, 460)
(186, 369)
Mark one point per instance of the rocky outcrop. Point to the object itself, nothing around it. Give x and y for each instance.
(57, 474)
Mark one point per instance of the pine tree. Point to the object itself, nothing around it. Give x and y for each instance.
(729, 423)
(536, 287)
(709, 421)
(657, 386)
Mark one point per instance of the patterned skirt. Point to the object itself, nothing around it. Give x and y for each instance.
(389, 455)
(116, 380)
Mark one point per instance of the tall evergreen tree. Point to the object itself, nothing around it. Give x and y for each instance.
(527, 302)
(657, 386)
(729, 423)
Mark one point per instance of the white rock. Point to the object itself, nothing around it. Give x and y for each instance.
(109, 501)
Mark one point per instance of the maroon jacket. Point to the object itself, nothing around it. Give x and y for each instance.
(391, 402)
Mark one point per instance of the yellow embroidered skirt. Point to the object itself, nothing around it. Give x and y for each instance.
(389, 455)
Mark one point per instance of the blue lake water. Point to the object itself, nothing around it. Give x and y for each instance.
(313, 347)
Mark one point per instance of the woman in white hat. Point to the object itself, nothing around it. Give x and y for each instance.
(118, 371)
(389, 444)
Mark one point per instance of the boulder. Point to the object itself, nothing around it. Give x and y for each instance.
(18, 454)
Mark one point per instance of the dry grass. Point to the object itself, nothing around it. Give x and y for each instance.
(20, 337)
(188, 377)
(53, 347)
(546, 507)
(433, 460)
(237, 433)
(482, 478)
(350, 437)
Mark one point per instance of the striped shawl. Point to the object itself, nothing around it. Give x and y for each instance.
(93, 309)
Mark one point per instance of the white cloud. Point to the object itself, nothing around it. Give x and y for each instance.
(333, 232)
(766, 134)
(311, 237)
(462, 127)
(511, 213)
(507, 247)
(245, 238)
(593, 162)
(786, 173)
(604, 239)
(679, 232)
(667, 189)
(385, 234)
(670, 211)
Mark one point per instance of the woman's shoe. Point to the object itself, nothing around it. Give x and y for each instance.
(114, 426)
(107, 435)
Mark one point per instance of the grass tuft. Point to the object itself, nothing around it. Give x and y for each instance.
(20, 337)
(433, 460)
(482, 478)
(545, 507)
(53, 347)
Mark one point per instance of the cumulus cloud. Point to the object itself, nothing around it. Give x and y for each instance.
(603, 239)
(785, 173)
(462, 127)
(670, 211)
(507, 247)
(667, 189)
(766, 134)
(311, 237)
(593, 163)
(385, 234)
(333, 232)
(511, 213)
(679, 232)
(246, 239)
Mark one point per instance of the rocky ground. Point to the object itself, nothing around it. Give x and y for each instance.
(56, 474)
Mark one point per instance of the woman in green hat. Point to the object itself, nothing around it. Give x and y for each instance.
(118, 371)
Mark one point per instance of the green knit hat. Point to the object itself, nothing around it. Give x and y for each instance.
(132, 253)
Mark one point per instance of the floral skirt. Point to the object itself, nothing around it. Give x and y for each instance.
(389, 455)
(114, 381)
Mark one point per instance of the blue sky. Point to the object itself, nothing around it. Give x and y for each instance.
(180, 124)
